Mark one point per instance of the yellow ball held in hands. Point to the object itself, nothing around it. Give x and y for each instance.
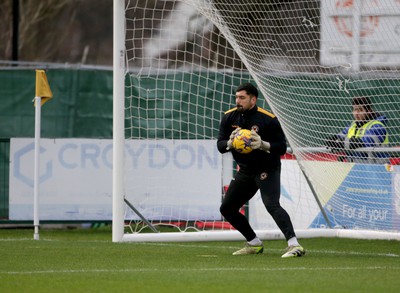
(241, 142)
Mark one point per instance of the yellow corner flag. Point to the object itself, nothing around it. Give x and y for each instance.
(42, 87)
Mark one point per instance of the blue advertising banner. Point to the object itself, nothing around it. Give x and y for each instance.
(364, 200)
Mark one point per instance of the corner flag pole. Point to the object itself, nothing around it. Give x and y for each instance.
(42, 95)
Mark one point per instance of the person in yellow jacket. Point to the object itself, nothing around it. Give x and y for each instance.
(367, 130)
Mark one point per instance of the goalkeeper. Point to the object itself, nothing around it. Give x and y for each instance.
(367, 130)
(259, 170)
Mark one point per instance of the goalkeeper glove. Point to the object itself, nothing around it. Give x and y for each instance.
(231, 138)
(257, 143)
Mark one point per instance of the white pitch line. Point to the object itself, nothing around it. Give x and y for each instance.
(14, 239)
(182, 270)
(220, 247)
(354, 253)
(51, 240)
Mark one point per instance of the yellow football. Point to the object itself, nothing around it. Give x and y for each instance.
(242, 140)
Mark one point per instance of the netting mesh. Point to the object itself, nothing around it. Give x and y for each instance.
(308, 59)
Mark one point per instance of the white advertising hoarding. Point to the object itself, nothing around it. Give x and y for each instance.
(180, 179)
(76, 177)
(174, 179)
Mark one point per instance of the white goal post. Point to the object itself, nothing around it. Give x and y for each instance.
(176, 65)
(118, 119)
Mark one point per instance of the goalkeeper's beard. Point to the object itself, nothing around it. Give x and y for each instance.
(239, 108)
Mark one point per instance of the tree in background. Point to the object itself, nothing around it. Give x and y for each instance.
(64, 31)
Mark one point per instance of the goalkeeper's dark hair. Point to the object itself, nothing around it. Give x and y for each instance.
(249, 88)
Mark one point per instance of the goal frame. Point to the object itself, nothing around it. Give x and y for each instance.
(118, 119)
(118, 209)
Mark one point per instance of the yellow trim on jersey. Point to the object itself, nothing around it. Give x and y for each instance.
(231, 110)
(266, 112)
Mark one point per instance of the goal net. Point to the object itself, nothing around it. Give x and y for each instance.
(176, 67)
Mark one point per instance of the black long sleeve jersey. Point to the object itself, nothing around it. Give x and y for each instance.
(268, 128)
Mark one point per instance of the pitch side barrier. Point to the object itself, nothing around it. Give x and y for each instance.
(392, 154)
(365, 197)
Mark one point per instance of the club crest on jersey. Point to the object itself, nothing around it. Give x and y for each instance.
(255, 128)
(263, 176)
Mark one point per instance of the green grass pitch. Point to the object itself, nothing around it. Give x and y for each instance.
(85, 260)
